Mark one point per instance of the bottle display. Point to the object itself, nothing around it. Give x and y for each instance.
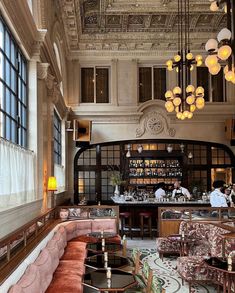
(152, 171)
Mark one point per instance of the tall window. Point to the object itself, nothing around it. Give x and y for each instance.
(13, 89)
(152, 83)
(95, 85)
(214, 85)
(57, 139)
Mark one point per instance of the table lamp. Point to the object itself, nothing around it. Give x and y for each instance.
(52, 186)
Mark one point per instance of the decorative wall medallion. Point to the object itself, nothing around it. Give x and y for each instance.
(154, 123)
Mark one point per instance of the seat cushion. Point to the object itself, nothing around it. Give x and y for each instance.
(65, 284)
(71, 267)
(84, 238)
(74, 254)
(165, 245)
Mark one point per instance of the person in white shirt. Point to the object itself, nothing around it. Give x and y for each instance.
(217, 198)
(160, 192)
(180, 191)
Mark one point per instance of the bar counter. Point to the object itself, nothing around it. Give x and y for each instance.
(154, 206)
(153, 202)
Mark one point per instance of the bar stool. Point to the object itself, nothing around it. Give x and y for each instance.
(126, 220)
(145, 216)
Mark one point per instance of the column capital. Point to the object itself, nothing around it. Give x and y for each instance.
(42, 70)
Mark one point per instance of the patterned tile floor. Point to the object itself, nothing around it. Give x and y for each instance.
(165, 269)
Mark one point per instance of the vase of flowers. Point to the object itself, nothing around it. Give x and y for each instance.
(116, 180)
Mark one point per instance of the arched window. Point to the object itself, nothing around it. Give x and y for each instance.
(57, 54)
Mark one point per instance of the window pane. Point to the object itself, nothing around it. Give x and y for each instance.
(159, 83)
(145, 84)
(102, 85)
(203, 80)
(57, 139)
(87, 85)
(217, 87)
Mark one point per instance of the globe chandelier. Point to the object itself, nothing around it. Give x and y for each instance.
(184, 99)
(221, 50)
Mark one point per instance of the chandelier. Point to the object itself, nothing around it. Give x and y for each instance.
(184, 99)
(221, 49)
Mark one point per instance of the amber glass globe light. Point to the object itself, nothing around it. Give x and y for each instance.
(190, 115)
(189, 56)
(224, 52)
(199, 91)
(192, 108)
(169, 104)
(190, 99)
(177, 90)
(177, 58)
(211, 45)
(211, 60)
(229, 75)
(214, 7)
(168, 95)
(178, 115)
(215, 69)
(177, 101)
(190, 89)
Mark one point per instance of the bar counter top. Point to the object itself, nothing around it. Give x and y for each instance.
(153, 202)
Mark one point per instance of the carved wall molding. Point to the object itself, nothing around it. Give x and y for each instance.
(154, 123)
(42, 70)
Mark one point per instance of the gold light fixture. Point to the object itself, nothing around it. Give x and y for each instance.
(221, 49)
(184, 99)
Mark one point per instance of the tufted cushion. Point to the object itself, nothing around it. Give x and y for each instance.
(77, 244)
(63, 234)
(44, 264)
(30, 282)
(54, 252)
(73, 267)
(60, 243)
(71, 230)
(109, 225)
(83, 227)
(65, 284)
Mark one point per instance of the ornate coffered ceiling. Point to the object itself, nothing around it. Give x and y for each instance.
(134, 25)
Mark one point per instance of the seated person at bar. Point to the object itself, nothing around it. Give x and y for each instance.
(217, 198)
(232, 195)
(180, 191)
(160, 192)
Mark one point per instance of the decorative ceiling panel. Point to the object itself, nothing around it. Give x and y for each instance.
(134, 24)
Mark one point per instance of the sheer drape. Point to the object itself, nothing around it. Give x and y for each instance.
(59, 173)
(17, 175)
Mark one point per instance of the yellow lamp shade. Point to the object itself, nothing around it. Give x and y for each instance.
(190, 99)
(190, 89)
(52, 184)
(229, 75)
(177, 90)
(177, 101)
(211, 60)
(224, 52)
(200, 103)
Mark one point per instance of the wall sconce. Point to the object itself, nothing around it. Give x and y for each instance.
(52, 186)
(140, 148)
(190, 156)
(182, 146)
(169, 148)
(128, 154)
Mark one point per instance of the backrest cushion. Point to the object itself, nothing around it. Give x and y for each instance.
(83, 227)
(54, 252)
(60, 243)
(30, 282)
(216, 240)
(63, 233)
(44, 264)
(71, 230)
(107, 225)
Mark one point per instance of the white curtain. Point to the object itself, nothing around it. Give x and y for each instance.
(59, 173)
(17, 175)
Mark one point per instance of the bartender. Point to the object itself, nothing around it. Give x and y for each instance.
(160, 192)
(180, 191)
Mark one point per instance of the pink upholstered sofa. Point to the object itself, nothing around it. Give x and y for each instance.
(59, 266)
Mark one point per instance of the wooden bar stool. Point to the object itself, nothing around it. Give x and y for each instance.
(126, 221)
(148, 217)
